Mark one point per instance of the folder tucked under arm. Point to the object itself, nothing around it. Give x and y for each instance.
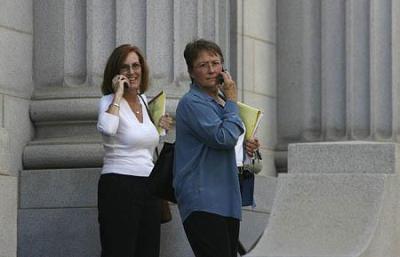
(157, 110)
(251, 118)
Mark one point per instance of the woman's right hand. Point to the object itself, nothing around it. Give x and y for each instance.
(252, 145)
(228, 87)
(118, 84)
(165, 121)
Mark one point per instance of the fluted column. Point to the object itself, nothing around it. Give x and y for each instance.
(73, 40)
(337, 76)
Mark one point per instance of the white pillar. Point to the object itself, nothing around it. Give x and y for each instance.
(336, 71)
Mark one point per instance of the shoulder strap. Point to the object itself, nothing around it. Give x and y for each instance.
(151, 118)
(147, 108)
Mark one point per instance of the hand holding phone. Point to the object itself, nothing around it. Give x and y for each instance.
(220, 78)
(119, 83)
(126, 84)
(228, 87)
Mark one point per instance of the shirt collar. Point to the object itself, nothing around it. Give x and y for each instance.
(197, 91)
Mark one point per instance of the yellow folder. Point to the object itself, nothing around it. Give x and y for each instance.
(157, 110)
(251, 118)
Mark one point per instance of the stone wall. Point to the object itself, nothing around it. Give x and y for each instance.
(256, 72)
(16, 35)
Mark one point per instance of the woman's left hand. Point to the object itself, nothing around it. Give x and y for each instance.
(165, 121)
(252, 145)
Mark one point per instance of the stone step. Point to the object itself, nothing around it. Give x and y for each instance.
(58, 188)
(58, 232)
(330, 215)
(53, 199)
(344, 157)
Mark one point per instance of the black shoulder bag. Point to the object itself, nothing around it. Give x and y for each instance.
(160, 179)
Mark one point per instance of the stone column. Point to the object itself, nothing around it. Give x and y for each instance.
(338, 65)
(72, 42)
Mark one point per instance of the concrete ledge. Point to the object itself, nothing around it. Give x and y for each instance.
(8, 216)
(332, 215)
(64, 109)
(343, 157)
(74, 232)
(58, 232)
(53, 155)
(63, 188)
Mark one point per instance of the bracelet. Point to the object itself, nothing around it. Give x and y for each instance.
(115, 104)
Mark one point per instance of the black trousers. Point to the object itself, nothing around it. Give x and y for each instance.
(129, 217)
(212, 235)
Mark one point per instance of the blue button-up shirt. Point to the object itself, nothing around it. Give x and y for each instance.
(205, 175)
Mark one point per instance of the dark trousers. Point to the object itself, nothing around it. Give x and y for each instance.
(129, 217)
(212, 235)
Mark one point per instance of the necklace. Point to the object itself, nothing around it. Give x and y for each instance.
(139, 109)
(135, 106)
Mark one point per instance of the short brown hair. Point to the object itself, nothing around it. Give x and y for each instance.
(193, 49)
(114, 63)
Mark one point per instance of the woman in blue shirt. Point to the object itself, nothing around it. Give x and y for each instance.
(206, 176)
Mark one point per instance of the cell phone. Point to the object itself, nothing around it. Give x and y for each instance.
(220, 78)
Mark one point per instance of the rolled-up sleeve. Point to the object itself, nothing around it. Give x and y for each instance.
(107, 124)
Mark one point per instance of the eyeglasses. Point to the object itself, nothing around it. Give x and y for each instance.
(204, 66)
(126, 68)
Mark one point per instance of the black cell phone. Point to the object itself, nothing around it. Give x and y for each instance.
(220, 78)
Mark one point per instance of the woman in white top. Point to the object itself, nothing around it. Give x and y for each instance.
(129, 216)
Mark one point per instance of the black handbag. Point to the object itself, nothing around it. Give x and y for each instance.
(160, 179)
